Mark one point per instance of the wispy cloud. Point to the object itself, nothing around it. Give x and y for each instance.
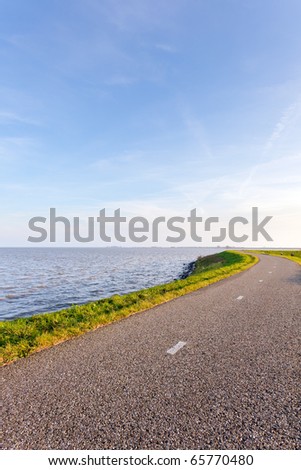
(287, 119)
(196, 129)
(7, 117)
(166, 48)
(14, 187)
(14, 148)
(265, 184)
(110, 163)
(136, 15)
(120, 80)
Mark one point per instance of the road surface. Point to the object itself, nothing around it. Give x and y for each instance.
(215, 369)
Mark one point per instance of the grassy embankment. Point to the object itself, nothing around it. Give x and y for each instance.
(289, 254)
(23, 336)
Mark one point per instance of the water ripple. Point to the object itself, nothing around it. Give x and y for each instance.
(37, 280)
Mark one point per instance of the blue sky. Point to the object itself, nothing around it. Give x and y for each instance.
(153, 107)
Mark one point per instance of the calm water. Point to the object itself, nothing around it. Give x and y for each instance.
(36, 280)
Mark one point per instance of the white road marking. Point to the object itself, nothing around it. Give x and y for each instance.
(176, 348)
(270, 272)
(240, 297)
(261, 280)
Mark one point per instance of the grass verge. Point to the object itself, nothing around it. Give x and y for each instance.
(23, 336)
(293, 255)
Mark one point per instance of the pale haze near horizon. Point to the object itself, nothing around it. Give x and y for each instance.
(155, 108)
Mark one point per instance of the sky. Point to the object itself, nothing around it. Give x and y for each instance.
(153, 107)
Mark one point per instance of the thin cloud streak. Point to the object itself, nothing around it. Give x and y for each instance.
(166, 48)
(7, 117)
(288, 118)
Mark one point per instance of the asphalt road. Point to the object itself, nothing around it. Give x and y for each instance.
(216, 369)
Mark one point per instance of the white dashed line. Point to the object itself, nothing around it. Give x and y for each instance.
(261, 280)
(270, 272)
(240, 297)
(176, 348)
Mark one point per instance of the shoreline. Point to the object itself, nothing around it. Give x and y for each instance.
(25, 336)
(188, 269)
(33, 283)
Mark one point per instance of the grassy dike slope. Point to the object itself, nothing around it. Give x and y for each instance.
(289, 254)
(23, 336)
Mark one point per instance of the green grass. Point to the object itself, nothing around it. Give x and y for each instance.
(23, 336)
(289, 254)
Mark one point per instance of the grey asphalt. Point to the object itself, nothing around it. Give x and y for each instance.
(234, 385)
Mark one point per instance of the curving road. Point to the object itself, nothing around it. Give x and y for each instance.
(215, 369)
